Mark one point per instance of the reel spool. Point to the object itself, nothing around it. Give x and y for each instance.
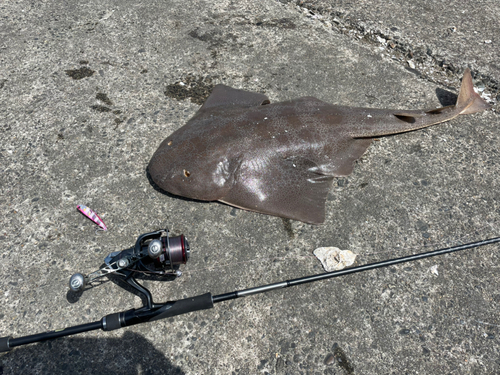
(153, 253)
(166, 253)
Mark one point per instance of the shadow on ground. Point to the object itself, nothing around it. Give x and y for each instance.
(130, 354)
(446, 97)
(170, 195)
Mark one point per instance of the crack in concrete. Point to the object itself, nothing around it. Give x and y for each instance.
(417, 58)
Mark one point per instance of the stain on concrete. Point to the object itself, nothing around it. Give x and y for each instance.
(282, 23)
(215, 38)
(103, 98)
(195, 88)
(81, 73)
(342, 360)
(287, 224)
(100, 108)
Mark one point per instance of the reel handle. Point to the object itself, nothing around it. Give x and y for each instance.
(77, 282)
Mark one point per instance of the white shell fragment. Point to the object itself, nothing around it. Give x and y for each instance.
(434, 270)
(334, 259)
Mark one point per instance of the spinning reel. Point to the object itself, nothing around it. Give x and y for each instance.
(154, 253)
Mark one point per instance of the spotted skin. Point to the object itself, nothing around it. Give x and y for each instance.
(281, 158)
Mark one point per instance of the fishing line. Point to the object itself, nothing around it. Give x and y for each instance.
(162, 254)
(446, 241)
(451, 240)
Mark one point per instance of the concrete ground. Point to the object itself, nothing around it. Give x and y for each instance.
(89, 90)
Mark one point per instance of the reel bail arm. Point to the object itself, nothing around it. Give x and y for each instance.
(153, 253)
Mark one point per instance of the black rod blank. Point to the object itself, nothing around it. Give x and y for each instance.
(348, 271)
(206, 301)
(7, 343)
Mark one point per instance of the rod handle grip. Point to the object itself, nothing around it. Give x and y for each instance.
(4, 344)
(184, 306)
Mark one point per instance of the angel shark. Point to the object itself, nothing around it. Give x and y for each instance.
(280, 159)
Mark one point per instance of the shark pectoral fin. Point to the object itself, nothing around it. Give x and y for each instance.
(441, 110)
(292, 188)
(342, 156)
(468, 100)
(406, 118)
(410, 116)
(415, 114)
(225, 96)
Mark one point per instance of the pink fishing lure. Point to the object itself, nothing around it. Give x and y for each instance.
(92, 216)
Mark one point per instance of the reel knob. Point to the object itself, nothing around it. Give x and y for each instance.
(77, 282)
(123, 263)
(155, 248)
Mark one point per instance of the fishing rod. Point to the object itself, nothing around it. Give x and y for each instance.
(158, 254)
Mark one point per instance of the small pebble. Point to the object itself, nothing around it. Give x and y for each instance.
(330, 358)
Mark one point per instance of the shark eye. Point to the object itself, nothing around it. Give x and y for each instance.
(187, 173)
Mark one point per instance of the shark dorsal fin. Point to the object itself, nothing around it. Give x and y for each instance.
(468, 99)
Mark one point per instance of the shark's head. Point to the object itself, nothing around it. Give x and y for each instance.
(192, 171)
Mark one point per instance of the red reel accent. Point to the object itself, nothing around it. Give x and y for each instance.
(179, 250)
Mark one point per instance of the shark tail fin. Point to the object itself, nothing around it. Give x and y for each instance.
(468, 100)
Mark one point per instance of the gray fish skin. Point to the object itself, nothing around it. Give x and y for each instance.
(280, 159)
